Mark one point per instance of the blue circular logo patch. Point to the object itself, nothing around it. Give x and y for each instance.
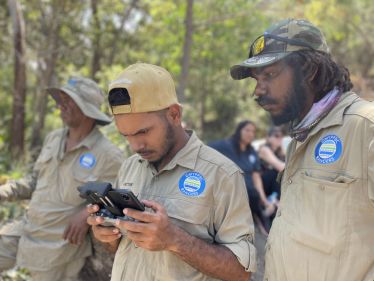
(87, 160)
(328, 150)
(192, 184)
(252, 158)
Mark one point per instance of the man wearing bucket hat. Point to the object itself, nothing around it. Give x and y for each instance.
(51, 241)
(197, 224)
(324, 227)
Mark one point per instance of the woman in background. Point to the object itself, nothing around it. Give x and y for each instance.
(272, 162)
(239, 149)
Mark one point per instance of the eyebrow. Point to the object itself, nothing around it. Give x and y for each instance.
(257, 70)
(141, 131)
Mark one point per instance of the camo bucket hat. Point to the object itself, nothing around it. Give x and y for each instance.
(86, 94)
(279, 41)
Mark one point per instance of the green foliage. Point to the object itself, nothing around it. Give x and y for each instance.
(124, 32)
(16, 274)
(9, 211)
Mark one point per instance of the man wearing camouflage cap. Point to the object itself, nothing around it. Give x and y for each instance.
(324, 227)
(51, 241)
(197, 224)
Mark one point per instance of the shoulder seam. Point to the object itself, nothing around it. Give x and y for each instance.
(366, 111)
(233, 168)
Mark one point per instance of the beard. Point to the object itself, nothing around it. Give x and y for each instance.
(295, 102)
(168, 144)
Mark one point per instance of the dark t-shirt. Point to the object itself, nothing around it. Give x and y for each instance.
(247, 160)
(269, 176)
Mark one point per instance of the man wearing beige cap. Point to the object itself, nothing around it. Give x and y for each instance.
(51, 241)
(197, 224)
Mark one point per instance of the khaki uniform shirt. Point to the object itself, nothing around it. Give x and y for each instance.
(204, 194)
(56, 198)
(324, 228)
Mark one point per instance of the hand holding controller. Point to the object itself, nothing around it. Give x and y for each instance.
(109, 219)
(110, 201)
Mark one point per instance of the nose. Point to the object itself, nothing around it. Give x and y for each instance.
(135, 143)
(260, 88)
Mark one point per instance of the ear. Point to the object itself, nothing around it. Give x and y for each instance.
(313, 73)
(311, 81)
(175, 113)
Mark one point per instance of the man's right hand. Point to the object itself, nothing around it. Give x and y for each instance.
(105, 234)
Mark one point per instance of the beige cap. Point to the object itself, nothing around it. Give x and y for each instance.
(147, 88)
(87, 95)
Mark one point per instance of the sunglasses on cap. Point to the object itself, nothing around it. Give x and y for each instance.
(260, 44)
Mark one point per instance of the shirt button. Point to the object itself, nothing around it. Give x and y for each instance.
(279, 213)
(289, 181)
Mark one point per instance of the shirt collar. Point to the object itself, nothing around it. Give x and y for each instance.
(186, 157)
(89, 141)
(336, 115)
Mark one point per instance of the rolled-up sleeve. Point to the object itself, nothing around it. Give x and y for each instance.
(233, 219)
(18, 189)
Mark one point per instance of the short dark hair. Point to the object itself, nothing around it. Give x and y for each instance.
(327, 73)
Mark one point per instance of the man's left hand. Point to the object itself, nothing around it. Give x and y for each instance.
(77, 228)
(151, 231)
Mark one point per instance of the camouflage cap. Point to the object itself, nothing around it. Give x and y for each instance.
(277, 42)
(86, 94)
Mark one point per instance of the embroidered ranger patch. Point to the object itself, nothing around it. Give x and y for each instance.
(328, 150)
(192, 184)
(87, 160)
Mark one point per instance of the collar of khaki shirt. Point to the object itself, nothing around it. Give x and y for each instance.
(336, 115)
(89, 141)
(186, 157)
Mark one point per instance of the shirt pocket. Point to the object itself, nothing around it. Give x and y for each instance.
(70, 192)
(323, 212)
(191, 217)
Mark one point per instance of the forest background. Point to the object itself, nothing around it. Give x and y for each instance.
(44, 42)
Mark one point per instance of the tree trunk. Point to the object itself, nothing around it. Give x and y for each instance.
(18, 115)
(186, 51)
(116, 35)
(96, 57)
(47, 58)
